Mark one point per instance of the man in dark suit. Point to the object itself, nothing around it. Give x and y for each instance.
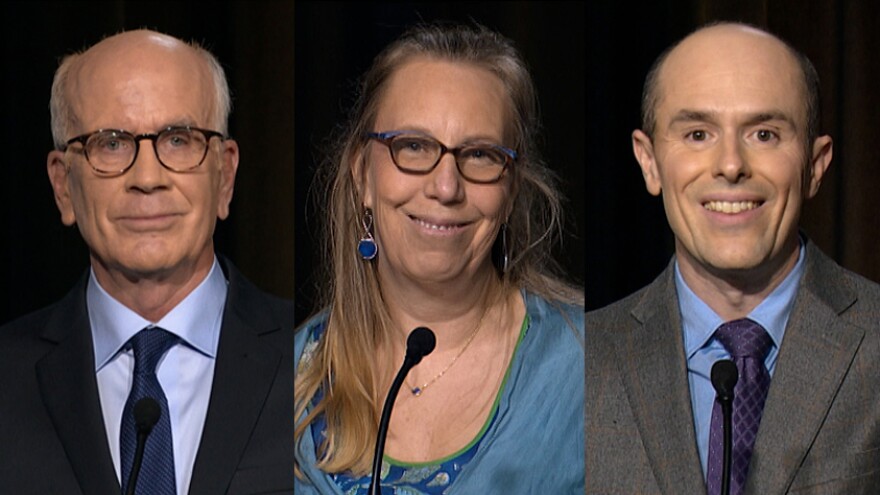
(730, 140)
(144, 169)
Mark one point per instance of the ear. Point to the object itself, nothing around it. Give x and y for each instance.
(59, 177)
(643, 148)
(819, 163)
(360, 174)
(228, 167)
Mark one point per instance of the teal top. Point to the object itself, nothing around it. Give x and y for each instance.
(531, 443)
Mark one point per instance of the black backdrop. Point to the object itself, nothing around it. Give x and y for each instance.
(618, 239)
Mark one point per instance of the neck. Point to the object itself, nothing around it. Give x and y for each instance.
(734, 293)
(151, 295)
(450, 309)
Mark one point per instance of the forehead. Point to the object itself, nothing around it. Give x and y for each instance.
(429, 91)
(139, 85)
(731, 70)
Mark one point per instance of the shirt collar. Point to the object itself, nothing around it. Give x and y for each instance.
(699, 321)
(196, 319)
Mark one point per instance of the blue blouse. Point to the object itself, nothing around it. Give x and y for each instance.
(427, 478)
(534, 442)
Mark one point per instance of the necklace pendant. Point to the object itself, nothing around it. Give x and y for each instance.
(416, 391)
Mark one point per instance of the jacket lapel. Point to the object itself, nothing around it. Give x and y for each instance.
(658, 390)
(816, 354)
(66, 377)
(243, 376)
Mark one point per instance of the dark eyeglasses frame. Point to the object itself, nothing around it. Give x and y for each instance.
(153, 137)
(387, 138)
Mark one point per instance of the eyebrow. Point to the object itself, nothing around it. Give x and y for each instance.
(471, 139)
(687, 115)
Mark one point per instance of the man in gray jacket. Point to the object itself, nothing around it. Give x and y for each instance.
(730, 140)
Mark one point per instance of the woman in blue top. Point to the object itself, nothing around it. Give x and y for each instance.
(442, 215)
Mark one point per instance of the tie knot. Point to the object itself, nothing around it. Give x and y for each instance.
(744, 338)
(149, 345)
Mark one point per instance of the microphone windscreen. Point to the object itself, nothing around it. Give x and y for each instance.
(420, 343)
(724, 378)
(146, 414)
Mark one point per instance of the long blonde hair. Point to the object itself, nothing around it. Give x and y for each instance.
(342, 366)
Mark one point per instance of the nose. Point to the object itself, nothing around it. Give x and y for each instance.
(445, 183)
(147, 173)
(732, 163)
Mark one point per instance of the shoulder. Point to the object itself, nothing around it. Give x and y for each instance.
(50, 324)
(253, 305)
(545, 315)
(306, 338)
(27, 324)
(638, 306)
(617, 310)
(23, 336)
(849, 295)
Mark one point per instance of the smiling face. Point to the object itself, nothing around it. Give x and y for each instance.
(729, 153)
(436, 227)
(148, 222)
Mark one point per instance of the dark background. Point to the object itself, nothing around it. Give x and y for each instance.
(629, 239)
(337, 41)
(268, 234)
(254, 43)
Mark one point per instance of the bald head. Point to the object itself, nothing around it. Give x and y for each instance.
(122, 59)
(727, 48)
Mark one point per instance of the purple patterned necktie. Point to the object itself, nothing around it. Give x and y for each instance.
(748, 343)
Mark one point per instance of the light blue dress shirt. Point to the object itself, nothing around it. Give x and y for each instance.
(699, 323)
(185, 373)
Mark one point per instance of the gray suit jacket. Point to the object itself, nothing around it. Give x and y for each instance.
(820, 431)
(52, 434)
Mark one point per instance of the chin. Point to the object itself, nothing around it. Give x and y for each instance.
(434, 271)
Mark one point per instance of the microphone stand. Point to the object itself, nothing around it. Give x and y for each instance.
(726, 413)
(419, 344)
(724, 377)
(146, 415)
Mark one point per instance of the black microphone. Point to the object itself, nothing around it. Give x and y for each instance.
(724, 378)
(419, 344)
(146, 415)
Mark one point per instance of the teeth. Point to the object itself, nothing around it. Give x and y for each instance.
(731, 206)
(434, 226)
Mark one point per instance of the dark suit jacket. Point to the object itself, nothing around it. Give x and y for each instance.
(52, 435)
(820, 430)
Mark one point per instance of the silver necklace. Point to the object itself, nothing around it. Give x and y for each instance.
(417, 391)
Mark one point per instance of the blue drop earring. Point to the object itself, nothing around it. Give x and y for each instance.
(367, 247)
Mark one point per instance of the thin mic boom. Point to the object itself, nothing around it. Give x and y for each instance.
(146, 415)
(724, 378)
(419, 344)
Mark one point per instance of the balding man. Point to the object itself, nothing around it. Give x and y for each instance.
(163, 348)
(730, 141)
